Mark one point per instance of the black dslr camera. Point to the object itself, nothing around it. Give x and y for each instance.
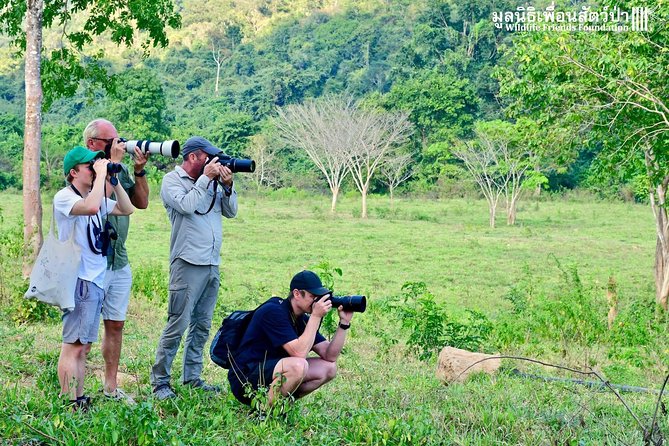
(101, 241)
(234, 164)
(357, 304)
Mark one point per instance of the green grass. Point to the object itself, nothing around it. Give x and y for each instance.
(383, 395)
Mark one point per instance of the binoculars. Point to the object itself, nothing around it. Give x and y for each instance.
(113, 168)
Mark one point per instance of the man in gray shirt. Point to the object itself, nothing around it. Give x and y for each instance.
(196, 195)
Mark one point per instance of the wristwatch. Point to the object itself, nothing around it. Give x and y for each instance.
(344, 326)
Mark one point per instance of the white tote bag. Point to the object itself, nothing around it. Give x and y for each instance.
(54, 274)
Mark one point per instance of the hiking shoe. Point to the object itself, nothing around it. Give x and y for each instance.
(120, 395)
(81, 404)
(164, 392)
(200, 384)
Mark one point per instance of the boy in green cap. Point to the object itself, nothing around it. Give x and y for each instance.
(82, 207)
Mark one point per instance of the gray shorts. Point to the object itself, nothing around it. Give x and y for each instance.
(82, 323)
(117, 294)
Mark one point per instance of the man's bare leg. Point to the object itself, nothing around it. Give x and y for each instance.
(112, 341)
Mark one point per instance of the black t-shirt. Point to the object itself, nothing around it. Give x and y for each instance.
(270, 328)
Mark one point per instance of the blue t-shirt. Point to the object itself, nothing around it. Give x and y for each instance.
(270, 328)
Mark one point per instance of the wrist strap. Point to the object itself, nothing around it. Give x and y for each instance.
(141, 173)
(344, 326)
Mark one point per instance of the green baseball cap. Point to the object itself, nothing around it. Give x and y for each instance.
(79, 155)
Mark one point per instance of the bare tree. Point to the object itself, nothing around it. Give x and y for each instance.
(264, 154)
(217, 55)
(32, 142)
(374, 135)
(514, 167)
(223, 44)
(480, 162)
(498, 165)
(319, 128)
(396, 169)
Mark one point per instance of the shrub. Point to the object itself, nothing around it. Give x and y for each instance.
(639, 329)
(574, 314)
(470, 335)
(30, 310)
(430, 328)
(424, 318)
(327, 273)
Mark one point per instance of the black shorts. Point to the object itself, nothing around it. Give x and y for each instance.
(256, 375)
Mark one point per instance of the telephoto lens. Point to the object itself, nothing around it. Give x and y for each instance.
(357, 304)
(166, 148)
(235, 164)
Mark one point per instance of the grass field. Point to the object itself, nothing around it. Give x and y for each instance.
(383, 394)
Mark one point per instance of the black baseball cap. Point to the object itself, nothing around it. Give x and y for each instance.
(309, 281)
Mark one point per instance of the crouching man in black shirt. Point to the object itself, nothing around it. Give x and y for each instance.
(274, 349)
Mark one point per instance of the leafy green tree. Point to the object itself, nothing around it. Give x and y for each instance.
(457, 35)
(615, 84)
(11, 129)
(57, 140)
(441, 105)
(138, 104)
(227, 129)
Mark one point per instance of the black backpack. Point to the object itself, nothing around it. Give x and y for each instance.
(227, 339)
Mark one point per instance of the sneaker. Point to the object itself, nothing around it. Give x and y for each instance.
(164, 392)
(120, 395)
(200, 384)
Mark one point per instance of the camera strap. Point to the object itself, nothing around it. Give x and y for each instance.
(213, 200)
(101, 232)
(97, 228)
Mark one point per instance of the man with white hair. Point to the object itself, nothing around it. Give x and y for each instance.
(101, 135)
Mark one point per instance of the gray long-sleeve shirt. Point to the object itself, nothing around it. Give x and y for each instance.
(195, 238)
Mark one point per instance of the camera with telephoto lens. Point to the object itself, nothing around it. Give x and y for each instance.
(234, 164)
(165, 148)
(356, 303)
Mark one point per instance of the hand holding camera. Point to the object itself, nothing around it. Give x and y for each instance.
(117, 150)
(225, 175)
(321, 307)
(212, 169)
(140, 158)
